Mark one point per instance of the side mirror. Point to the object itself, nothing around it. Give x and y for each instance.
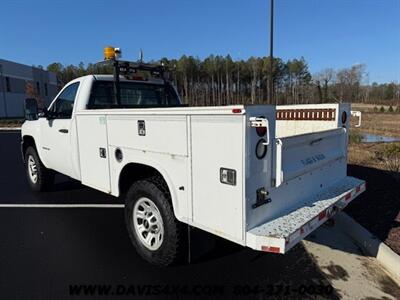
(44, 113)
(31, 109)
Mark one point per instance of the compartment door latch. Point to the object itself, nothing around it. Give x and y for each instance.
(102, 152)
(141, 128)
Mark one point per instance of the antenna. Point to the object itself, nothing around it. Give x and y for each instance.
(141, 56)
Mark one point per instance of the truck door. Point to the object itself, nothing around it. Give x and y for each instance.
(56, 132)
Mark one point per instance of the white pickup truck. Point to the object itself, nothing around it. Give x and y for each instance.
(262, 176)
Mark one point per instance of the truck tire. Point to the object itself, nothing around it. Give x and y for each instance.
(153, 229)
(39, 177)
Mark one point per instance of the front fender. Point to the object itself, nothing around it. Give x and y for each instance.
(32, 129)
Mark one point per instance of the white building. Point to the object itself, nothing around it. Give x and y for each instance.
(14, 79)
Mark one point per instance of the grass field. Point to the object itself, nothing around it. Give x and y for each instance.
(378, 210)
(11, 122)
(365, 107)
(370, 154)
(387, 124)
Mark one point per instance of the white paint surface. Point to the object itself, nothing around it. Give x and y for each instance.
(15, 205)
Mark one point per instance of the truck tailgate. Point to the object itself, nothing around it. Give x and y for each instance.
(300, 154)
(282, 233)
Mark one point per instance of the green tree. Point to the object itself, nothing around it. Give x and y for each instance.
(220, 80)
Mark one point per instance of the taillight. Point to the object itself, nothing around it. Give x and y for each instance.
(344, 117)
(261, 131)
(236, 110)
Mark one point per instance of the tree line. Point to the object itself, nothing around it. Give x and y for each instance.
(220, 80)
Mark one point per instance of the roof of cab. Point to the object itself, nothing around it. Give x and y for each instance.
(122, 78)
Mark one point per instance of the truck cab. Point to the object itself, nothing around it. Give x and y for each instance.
(55, 131)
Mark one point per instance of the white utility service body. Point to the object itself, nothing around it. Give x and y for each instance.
(268, 203)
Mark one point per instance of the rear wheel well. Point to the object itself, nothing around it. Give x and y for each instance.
(133, 172)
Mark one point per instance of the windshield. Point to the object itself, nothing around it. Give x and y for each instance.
(133, 94)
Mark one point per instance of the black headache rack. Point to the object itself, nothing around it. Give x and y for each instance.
(134, 71)
(129, 69)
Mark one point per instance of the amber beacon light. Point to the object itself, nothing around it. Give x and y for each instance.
(111, 53)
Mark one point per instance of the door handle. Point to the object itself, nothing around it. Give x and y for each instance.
(63, 130)
(316, 141)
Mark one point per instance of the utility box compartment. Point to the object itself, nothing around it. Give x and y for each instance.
(217, 143)
(155, 133)
(93, 154)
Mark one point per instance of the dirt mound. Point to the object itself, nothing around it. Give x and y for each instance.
(378, 209)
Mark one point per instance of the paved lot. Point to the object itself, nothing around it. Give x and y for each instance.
(45, 250)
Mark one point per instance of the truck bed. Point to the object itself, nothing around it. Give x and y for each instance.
(302, 172)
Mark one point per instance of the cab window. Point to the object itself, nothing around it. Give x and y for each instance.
(62, 107)
(133, 94)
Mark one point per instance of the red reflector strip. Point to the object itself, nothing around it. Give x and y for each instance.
(236, 110)
(347, 197)
(322, 215)
(306, 114)
(271, 249)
